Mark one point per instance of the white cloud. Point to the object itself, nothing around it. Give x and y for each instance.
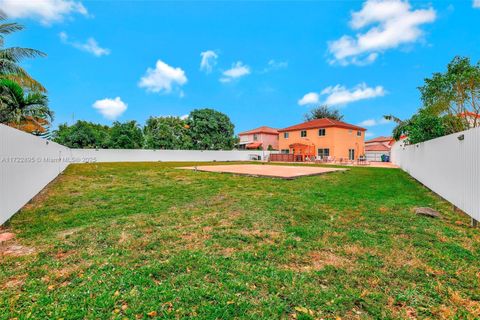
(373, 122)
(110, 108)
(209, 60)
(46, 11)
(274, 65)
(369, 134)
(368, 123)
(90, 46)
(237, 70)
(391, 23)
(476, 3)
(309, 98)
(163, 78)
(340, 95)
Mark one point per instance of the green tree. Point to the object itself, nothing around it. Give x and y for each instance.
(167, 133)
(210, 130)
(323, 111)
(127, 135)
(454, 93)
(11, 57)
(82, 134)
(421, 127)
(28, 111)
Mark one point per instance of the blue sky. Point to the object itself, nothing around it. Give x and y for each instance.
(265, 63)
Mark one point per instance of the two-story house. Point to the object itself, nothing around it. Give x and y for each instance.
(260, 138)
(324, 138)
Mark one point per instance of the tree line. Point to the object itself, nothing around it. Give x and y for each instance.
(203, 129)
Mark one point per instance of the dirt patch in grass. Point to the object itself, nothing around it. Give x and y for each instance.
(473, 307)
(318, 260)
(400, 310)
(16, 250)
(195, 240)
(13, 282)
(62, 255)
(356, 250)
(262, 236)
(67, 233)
(124, 237)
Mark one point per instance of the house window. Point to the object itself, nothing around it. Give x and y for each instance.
(321, 132)
(359, 133)
(351, 154)
(303, 133)
(285, 135)
(350, 131)
(255, 137)
(322, 153)
(285, 151)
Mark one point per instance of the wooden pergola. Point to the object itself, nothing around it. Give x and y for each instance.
(302, 151)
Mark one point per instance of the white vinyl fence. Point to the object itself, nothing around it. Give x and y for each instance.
(449, 166)
(134, 155)
(29, 163)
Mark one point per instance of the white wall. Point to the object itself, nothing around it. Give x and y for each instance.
(448, 166)
(118, 155)
(27, 165)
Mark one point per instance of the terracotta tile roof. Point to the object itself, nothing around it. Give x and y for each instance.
(263, 129)
(253, 145)
(322, 123)
(379, 139)
(469, 114)
(377, 147)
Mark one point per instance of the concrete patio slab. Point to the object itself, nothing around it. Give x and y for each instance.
(265, 170)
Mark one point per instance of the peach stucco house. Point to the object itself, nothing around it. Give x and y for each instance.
(325, 138)
(260, 138)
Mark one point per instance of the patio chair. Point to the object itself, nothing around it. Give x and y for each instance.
(313, 159)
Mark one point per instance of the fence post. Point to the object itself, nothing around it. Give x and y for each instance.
(474, 223)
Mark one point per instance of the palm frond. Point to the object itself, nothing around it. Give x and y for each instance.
(19, 109)
(25, 80)
(8, 67)
(391, 117)
(8, 28)
(16, 54)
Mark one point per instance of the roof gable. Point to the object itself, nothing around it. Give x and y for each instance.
(322, 123)
(379, 139)
(263, 129)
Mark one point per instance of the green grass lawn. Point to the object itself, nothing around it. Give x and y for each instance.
(147, 240)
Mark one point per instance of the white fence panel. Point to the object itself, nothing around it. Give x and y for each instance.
(27, 165)
(449, 165)
(134, 155)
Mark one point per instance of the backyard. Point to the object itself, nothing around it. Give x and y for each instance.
(148, 240)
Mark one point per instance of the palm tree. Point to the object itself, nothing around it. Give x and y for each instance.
(10, 57)
(23, 110)
(401, 127)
